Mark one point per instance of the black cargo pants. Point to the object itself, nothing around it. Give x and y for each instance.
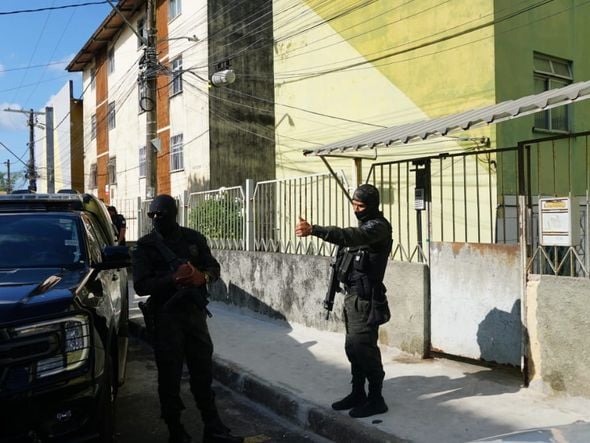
(361, 342)
(182, 334)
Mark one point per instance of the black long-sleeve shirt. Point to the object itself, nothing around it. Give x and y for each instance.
(374, 235)
(152, 275)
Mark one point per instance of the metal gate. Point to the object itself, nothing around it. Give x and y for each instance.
(474, 218)
(451, 211)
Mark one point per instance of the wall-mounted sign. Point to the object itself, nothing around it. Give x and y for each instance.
(559, 221)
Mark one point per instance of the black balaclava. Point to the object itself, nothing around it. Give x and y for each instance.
(166, 205)
(369, 195)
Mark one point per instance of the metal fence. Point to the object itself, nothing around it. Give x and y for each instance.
(441, 198)
(130, 208)
(219, 215)
(278, 204)
(466, 197)
(558, 167)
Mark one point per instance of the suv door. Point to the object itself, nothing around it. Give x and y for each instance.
(109, 279)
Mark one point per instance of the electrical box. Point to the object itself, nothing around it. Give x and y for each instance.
(559, 221)
(419, 199)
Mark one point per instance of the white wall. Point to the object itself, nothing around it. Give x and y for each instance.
(189, 111)
(60, 103)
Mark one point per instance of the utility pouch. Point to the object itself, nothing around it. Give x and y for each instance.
(344, 267)
(361, 260)
(379, 313)
(149, 316)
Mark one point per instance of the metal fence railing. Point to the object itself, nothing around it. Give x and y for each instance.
(130, 209)
(219, 215)
(465, 197)
(278, 204)
(449, 197)
(558, 167)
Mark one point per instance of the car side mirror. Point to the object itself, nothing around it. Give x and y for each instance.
(114, 257)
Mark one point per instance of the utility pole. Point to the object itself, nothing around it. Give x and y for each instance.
(8, 182)
(150, 69)
(49, 152)
(31, 171)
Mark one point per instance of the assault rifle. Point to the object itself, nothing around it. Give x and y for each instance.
(174, 262)
(333, 284)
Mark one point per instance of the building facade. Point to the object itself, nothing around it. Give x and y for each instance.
(59, 162)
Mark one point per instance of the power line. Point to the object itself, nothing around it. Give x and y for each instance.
(52, 8)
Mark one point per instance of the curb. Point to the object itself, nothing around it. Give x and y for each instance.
(317, 419)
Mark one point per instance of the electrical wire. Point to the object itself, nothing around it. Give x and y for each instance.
(52, 8)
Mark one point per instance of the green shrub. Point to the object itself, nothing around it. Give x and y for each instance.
(218, 217)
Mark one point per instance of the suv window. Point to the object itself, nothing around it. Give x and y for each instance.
(39, 240)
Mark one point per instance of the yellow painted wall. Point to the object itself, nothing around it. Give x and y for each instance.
(376, 64)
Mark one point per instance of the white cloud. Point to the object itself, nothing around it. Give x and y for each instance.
(1, 69)
(12, 121)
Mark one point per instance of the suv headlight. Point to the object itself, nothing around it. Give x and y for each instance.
(73, 348)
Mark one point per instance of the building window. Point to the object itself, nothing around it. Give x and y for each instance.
(176, 85)
(92, 78)
(111, 60)
(93, 127)
(142, 169)
(552, 73)
(111, 116)
(176, 153)
(92, 178)
(112, 171)
(141, 30)
(174, 8)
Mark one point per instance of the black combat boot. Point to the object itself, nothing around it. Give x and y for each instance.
(177, 432)
(356, 398)
(374, 404)
(217, 432)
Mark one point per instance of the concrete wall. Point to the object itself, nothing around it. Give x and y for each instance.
(558, 321)
(292, 288)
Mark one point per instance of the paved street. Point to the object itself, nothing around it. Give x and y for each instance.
(138, 411)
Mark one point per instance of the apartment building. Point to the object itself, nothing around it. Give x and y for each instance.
(202, 134)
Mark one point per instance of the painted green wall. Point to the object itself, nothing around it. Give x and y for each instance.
(559, 29)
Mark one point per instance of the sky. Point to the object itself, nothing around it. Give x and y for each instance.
(39, 39)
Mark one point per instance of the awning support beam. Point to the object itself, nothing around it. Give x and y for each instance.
(337, 179)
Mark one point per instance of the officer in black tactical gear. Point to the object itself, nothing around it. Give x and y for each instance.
(173, 264)
(360, 268)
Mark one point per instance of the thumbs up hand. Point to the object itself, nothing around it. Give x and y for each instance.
(303, 228)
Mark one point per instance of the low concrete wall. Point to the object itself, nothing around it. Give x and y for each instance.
(558, 323)
(292, 288)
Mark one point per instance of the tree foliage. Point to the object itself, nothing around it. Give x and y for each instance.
(14, 177)
(218, 217)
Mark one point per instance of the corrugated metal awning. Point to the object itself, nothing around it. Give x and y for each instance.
(443, 126)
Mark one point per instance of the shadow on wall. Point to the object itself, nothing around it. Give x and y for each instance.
(499, 336)
(234, 295)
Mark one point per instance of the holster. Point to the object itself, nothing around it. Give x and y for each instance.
(149, 316)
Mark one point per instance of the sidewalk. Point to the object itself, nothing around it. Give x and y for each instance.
(298, 372)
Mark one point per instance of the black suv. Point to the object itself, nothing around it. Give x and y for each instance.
(63, 318)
